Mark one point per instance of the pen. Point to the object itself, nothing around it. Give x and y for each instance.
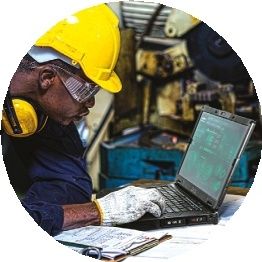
(72, 244)
(95, 252)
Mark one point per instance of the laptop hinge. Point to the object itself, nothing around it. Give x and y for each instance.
(207, 204)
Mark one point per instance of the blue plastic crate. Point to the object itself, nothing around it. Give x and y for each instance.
(123, 158)
(248, 163)
(123, 161)
(243, 184)
(106, 182)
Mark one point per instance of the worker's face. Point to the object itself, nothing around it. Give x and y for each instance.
(67, 110)
(61, 106)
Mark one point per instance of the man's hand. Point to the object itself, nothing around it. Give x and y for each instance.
(129, 204)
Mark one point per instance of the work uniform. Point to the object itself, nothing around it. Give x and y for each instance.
(52, 169)
(49, 171)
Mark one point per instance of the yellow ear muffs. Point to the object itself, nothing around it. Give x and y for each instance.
(20, 118)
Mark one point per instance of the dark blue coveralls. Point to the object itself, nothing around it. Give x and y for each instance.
(50, 170)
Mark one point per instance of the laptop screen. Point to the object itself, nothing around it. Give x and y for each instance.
(214, 147)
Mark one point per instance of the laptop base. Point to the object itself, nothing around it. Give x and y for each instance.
(149, 222)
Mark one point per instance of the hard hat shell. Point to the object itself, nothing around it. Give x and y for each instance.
(89, 38)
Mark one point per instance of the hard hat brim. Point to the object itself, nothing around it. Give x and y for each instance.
(45, 54)
(113, 84)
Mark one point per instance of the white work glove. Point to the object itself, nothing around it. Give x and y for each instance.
(129, 204)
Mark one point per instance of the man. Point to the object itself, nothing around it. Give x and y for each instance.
(54, 86)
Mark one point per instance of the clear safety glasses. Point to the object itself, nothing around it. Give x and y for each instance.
(79, 89)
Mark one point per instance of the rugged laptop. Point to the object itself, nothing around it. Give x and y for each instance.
(214, 150)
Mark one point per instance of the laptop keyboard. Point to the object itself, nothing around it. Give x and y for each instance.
(176, 201)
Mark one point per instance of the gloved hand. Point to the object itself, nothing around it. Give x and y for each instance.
(129, 204)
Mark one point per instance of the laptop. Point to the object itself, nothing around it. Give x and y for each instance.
(213, 153)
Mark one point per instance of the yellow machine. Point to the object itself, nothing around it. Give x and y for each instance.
(201, 68)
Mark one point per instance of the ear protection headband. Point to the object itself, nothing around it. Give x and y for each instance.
(21, 118)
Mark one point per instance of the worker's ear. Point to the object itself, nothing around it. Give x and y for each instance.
(46, 77)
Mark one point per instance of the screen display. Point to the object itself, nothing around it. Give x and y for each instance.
(215, 146)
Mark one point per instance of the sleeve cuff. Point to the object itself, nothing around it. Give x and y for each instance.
(100, 211)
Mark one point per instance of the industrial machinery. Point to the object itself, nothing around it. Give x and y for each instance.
(172, 65)
(200, 69)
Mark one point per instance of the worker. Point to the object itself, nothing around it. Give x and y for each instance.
(54, 85)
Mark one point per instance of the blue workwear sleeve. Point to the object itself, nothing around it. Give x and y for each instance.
(56, 169)
(59, 179)
(48, 216)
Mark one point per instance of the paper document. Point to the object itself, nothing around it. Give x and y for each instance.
(114, 241)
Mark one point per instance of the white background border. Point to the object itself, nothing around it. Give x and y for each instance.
(23, 21)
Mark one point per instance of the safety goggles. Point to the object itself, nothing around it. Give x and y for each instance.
(78, 88)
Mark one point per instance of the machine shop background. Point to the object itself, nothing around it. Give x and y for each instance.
(170, 65)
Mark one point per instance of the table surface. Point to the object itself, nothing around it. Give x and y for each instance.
(184, 239)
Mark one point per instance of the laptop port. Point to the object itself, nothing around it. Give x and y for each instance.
(172, 222)
(197, 220)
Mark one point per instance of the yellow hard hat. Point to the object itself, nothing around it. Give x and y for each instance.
(90, 39)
